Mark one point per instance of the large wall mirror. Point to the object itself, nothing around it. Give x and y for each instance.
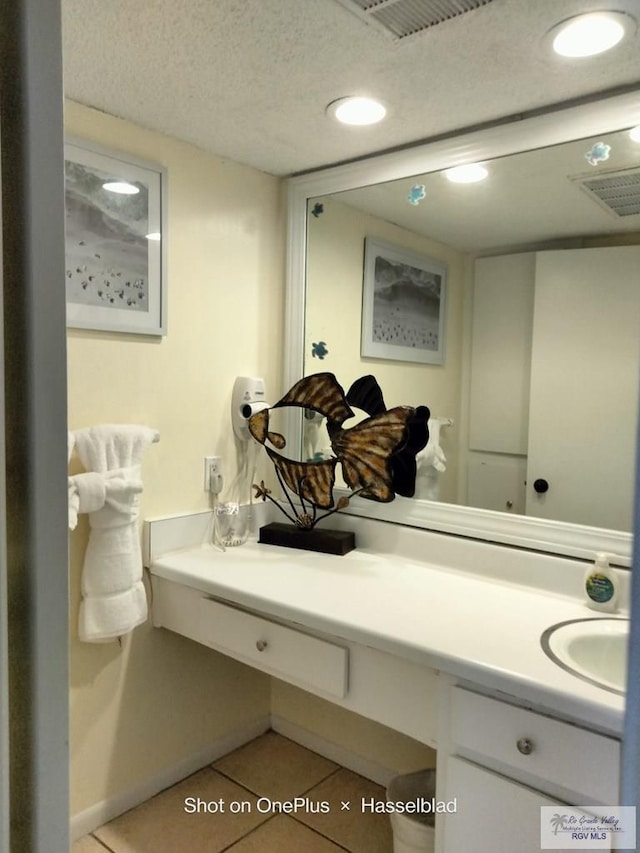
(535, 402)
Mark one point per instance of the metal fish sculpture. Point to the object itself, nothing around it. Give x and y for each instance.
(377, 455)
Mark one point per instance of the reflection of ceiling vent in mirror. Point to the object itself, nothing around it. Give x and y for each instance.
(403, 18)
(618, 192)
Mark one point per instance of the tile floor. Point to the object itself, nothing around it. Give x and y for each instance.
(251, 780)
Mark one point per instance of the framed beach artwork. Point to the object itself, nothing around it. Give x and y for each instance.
(403, 305)
(116, 236)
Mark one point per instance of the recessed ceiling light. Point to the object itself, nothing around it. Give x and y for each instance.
(357, 110)
(121, 187)
(634, 133)
(590, 34)
(468, 174)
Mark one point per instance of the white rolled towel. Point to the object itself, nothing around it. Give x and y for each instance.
(108, 617)
(432, 456)
(114, 601)
(110, 446)
(113, 551)
(87, 493)
(113, 596)
(73, 493)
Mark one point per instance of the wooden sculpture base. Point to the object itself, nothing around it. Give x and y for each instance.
(338, 542)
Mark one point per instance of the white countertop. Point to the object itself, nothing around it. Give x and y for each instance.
(483, 630)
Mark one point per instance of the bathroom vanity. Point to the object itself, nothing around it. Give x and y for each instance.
(434, 636)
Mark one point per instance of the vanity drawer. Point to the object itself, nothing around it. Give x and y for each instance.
(531, 746)
(276, 649)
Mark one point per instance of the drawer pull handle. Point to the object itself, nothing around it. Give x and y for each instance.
(525, 746)
(261, 645)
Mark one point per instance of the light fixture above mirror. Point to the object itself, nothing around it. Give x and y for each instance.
(591, 34)
(357, 111)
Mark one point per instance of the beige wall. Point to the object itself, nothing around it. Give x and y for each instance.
(365, 738)
(334, 300)
(139, 709)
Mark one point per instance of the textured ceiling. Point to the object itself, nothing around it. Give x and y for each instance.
(250, 79)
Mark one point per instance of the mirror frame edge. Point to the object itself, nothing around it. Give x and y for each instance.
(614, 113)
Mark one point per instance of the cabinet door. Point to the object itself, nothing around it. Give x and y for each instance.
(497, 481)
(501, 353)
(494, 814)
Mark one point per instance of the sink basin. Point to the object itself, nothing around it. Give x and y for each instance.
(593, 649)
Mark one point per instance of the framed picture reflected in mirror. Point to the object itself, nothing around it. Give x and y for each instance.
(403, 305)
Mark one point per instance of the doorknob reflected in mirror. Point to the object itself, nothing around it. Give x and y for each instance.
(541, 486)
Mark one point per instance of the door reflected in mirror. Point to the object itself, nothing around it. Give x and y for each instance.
(540, 375)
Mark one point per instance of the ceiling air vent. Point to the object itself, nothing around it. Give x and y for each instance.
(618, 192)
(404, 18)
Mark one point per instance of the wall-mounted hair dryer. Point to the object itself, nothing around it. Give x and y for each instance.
(246, 400)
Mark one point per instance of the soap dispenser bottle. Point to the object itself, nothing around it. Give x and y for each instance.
(600, 585)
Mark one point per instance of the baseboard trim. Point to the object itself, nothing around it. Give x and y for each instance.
(333, 751)
(100, 813)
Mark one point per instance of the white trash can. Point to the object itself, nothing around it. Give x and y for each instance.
(413, 832)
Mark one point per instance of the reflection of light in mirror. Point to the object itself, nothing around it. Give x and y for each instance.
(634, 133)
(588, 35)
(471, 173)
(155, 235)
(120, 187)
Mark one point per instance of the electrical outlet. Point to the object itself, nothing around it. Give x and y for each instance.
(213, 474)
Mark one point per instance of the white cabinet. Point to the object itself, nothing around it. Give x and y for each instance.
(499, 760)
(494, 814)
(497, 482)
(503, 762)
(502, 323)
